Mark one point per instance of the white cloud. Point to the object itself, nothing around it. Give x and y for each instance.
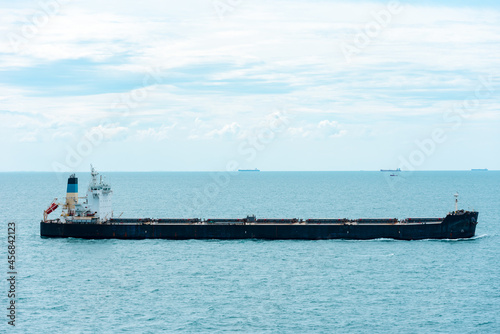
(29, 137)
(161, 133)
(330, 129)
(228, 131)
(321, 130)
(110, 131)
(63, 135)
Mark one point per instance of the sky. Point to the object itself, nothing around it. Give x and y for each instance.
(215, 85)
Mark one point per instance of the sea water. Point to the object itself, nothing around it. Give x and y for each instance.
(328, 286)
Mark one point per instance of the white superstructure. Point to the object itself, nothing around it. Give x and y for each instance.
(99, 195)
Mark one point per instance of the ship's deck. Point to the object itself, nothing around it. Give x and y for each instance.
(269, 221)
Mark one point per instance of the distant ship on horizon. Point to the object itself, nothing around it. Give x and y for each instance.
(391, 170)
(249, 170)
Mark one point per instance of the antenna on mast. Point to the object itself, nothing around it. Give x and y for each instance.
(456, 201)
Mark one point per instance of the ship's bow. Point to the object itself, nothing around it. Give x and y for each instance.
(460, 224)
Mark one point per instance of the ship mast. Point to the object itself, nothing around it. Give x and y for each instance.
(94, 174)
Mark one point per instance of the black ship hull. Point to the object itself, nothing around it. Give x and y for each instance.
(453, 226)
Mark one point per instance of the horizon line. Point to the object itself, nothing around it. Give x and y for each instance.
(260, 171)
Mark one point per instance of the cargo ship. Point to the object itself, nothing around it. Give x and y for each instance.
(91, 217)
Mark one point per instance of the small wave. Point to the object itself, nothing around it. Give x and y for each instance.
(479, 236)
(459, 239)
(346, 240)
(382, 239)
(484, 323)
(376, 255)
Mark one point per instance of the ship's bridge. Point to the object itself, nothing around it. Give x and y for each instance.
(99, 195)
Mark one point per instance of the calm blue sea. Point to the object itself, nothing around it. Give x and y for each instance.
(336, 286)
